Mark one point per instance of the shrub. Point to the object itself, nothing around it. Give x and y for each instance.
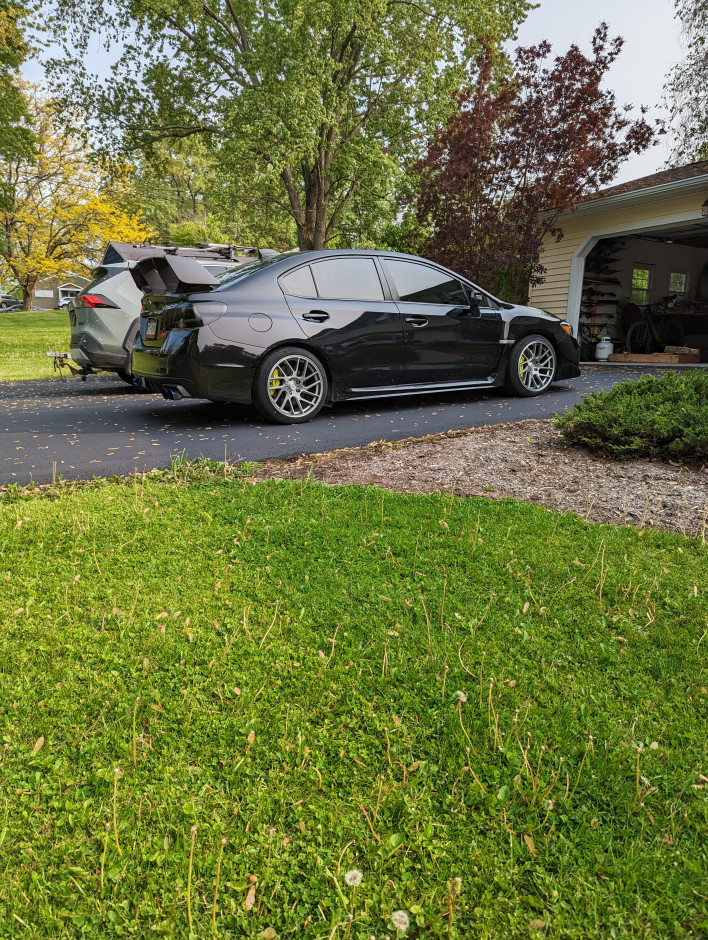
(658, 416)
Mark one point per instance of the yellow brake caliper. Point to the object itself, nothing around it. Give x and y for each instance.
(522, 361)
(275, 381)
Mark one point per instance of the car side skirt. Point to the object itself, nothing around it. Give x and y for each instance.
(381, 391)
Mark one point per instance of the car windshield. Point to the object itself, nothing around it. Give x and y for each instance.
(244, 271)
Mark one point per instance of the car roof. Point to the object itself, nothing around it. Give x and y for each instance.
(366, 252)
(291, 260)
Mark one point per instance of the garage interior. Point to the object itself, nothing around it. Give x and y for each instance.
(646, 294)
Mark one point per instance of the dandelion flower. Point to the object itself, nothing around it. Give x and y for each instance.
(401, 921)
(353, 878)
(460, 696)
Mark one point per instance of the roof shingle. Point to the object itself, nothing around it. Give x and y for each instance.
(690, 171)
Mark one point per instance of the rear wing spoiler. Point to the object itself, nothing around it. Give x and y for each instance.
(171, 274)
(117, 252)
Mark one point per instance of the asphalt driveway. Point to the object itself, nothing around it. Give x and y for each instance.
(101, 427)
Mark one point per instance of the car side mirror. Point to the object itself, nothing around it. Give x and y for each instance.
(475, 302)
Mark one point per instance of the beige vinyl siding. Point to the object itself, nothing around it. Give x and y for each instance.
(590, 220)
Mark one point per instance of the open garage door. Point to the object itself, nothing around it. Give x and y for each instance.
(648, 291)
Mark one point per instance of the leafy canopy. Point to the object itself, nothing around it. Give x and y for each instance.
(181, 187)
(15, 136)
(688, 84)
(317, 99)
(63, 209)
(518, 149)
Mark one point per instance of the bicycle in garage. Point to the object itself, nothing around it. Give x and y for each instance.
(654, 327)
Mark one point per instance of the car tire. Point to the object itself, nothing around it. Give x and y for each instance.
(532, 366)
(290, 386)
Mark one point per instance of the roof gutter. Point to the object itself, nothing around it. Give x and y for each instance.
(696, 184)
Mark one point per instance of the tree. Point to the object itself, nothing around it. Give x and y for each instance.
(182, 189)
(16, 138)
(315, 100)
(519, 149)
(688, 84)
(63, 210)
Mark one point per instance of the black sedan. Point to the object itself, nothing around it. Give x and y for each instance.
(295, 331)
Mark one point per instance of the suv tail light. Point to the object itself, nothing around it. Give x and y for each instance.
(94, 300)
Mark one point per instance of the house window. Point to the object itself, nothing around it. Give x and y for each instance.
(678, 282)
(641, 283)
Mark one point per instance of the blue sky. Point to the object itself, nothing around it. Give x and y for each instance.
(652, 47)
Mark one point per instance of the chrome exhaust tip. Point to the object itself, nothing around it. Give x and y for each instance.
(172, 392)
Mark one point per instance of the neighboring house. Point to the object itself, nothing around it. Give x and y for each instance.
(50, 293)
(636, 243)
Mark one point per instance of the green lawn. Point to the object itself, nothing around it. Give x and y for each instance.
(24, 338)
(219, 698)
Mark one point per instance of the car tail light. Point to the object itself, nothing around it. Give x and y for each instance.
(95, 300)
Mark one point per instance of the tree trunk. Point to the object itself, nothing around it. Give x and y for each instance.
(28, 290)
(310, 218)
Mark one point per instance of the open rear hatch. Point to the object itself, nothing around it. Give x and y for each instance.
(166, 282)
(171, 274)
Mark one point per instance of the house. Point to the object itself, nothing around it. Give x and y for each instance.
(628, 246)
(50, 293)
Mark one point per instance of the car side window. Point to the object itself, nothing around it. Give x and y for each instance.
(423, 284)
(348, 279)
(299, 282)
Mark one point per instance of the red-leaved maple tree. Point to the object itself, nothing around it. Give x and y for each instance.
(517, 151)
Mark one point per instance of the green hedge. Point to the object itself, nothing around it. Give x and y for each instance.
(657, 416)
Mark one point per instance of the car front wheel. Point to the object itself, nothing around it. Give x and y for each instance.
(290, 386)
(532, 365)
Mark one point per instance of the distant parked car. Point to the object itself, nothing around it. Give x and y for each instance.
(8, 303)
(293, 332)
(104, 316)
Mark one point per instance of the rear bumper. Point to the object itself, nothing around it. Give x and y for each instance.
(89, 354)
(194, 363)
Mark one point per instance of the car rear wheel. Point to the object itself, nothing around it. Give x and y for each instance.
(532, 365)
(290, 386)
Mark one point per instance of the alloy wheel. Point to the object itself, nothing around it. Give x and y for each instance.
(537, 365)
(295, 386)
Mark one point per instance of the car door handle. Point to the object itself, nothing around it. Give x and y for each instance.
(417, 321)
(319, 316)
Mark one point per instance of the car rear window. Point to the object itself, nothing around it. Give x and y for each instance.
(348, 279)
(100, 276)
(299, 282)
(243, 271)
